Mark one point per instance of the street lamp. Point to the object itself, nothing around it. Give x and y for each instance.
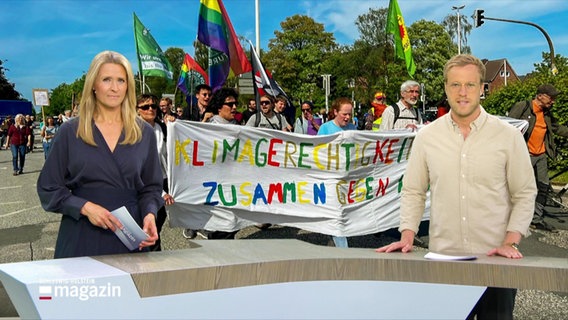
(459, 27)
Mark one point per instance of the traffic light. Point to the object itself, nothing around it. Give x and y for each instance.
(478, 18)
(319, 82)
(333, 85)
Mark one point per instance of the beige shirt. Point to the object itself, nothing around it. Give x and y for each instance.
(480, 187)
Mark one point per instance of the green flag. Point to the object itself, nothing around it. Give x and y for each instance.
(151, 59)
(395, 26)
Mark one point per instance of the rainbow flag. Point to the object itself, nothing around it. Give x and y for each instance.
(191, 76)
(225, 51)
(395, 26)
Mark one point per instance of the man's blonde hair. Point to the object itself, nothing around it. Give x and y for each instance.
(462, 60)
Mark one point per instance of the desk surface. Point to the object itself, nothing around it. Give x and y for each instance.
(217, 264)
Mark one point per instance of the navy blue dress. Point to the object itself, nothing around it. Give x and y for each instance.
(75, 172)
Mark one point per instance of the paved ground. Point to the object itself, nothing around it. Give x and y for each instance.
(28, 233)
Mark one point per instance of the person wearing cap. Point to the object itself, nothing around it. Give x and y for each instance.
(540, 142)
(375, 114)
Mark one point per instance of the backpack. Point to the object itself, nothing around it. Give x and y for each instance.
(259, 114)
(397, 114)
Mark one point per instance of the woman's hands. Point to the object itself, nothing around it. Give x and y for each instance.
(100, 217)
(149, 226)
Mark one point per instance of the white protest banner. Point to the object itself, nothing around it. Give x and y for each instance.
(226, 177)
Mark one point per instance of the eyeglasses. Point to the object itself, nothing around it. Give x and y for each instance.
(205, 94)
(306, 110)
(179, 111)
(264, 102)
(230, 104)
(456, 86)
(148, 106)
(549, 97)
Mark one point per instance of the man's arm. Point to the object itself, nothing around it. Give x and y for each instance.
(522, 189)
(509, 248)
(518, 109)
(557, 128)
(415, 184)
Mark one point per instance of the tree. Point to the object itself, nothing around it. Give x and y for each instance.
(366, 62)
(432, 47)
(372, 27)
(63, 96)
(297, 53)
(450, 23)
(7, 89)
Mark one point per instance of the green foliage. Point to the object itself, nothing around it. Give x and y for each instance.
(64, 96)
(450, 24)
(372, 26)
(499, 102)
(432, 48)
(7, 89)
(297, 54)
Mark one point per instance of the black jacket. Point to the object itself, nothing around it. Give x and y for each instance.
(523, 110)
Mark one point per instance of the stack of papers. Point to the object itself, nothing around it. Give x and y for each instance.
(131, 234)
(445, 257)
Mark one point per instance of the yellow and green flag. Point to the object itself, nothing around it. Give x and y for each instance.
(402, 47)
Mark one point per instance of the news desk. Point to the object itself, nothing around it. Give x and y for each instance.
(267, 279)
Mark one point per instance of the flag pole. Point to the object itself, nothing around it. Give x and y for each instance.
(257, 24)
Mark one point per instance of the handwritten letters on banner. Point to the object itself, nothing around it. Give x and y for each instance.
(227, 177)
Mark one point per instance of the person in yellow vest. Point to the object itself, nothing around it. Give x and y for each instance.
(376, 112)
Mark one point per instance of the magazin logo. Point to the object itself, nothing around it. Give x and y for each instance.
(81, 291)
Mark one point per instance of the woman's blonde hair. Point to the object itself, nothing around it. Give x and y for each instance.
(88, 106)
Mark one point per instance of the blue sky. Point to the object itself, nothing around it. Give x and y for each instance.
(49, 42)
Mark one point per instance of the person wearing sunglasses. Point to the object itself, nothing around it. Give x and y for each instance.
(198, 106)
(102, 160)
(267, 118)
(147, 107)
(223, 106)
(307, 122)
